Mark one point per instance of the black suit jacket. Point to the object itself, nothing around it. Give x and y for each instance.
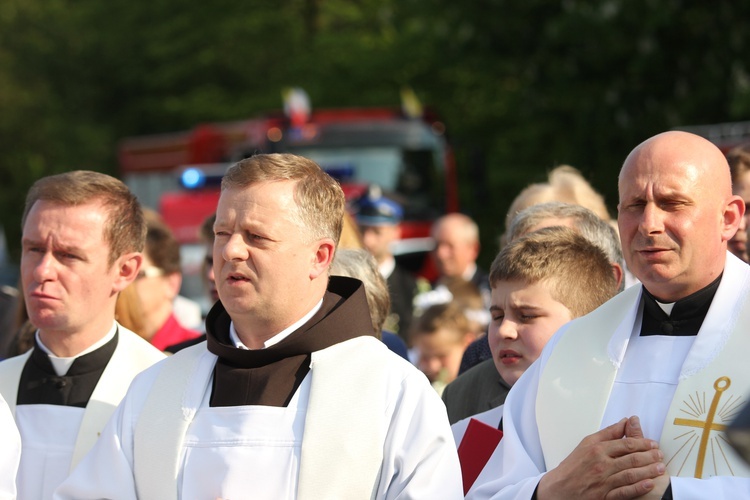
(478, 389)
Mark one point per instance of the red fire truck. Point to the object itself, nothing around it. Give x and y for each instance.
(409, 158)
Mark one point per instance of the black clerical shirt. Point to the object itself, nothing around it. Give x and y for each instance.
(686, 317)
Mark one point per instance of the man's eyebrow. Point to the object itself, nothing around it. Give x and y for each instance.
(55, 246)
(29, 241)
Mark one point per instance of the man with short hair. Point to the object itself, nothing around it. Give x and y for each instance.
(81, 245)
(292, 396)
(633, 398)
(456, 250)
(379, 219)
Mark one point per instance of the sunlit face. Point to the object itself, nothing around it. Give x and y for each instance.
(378, 240)
(439, 354)
(673, 219)
(524, 317)
(454, 252)
(68, 284)
(738, 243)
(264, 262)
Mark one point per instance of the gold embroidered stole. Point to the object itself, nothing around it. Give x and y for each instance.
(577, 380)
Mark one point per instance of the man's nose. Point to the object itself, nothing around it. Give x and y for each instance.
(45, 269)
(652, 221)
(235, 249)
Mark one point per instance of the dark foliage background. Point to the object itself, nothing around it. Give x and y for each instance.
(522, 85)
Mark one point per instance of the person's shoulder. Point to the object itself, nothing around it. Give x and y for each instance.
(395, 344)
(482, 371)
(371, 355)
(181, 362)
(133, 342)
(174, 349)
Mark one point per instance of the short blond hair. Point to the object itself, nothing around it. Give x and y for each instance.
(448, 316)
(565, 184)
(577, 272)
(319, 198)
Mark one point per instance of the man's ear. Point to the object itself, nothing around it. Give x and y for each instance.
(127, 267)
(733, 213)
(619, 274)
(326, 249)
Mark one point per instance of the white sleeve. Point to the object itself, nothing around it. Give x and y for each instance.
(459, 429)
(420, 458)
(517, 464)
(10, 452)
(106, 472)
(715, 488)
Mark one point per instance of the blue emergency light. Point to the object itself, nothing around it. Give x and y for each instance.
(193, 178)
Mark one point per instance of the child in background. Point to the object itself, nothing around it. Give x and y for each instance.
(439, 337)
(538, 283)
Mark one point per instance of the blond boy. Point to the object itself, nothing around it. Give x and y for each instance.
(538, 283)
(439, 337)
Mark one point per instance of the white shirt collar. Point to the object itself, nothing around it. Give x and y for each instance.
(471, 269)
(62, 365)
(667, 308)
(279, 336)
(387, 266)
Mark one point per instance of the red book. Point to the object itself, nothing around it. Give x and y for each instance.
(476, 448)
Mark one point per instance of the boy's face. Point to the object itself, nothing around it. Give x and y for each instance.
(524, 317)
(439, 354)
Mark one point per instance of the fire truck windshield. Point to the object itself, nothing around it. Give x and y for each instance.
(411, 177)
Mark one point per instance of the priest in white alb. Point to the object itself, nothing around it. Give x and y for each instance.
(10, 452)
(291, 396)
(83, 233)
(633, 399)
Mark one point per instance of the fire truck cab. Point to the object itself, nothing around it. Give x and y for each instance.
(409, 158)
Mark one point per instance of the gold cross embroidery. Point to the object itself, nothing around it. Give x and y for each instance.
(721, 385)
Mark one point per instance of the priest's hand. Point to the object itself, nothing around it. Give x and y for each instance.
(615, 463)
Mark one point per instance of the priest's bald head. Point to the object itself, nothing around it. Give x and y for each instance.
(676, 213)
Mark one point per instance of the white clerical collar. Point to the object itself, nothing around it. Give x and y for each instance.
(62, 365)
(279, 336)
(667, 308)
(387, 266)
(469, 272)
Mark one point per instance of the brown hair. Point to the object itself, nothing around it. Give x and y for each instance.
(162, 248)
(448, 316)
(124, 229)
(351, 237)
(577, 272)
(320, 200)
(128, 310)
